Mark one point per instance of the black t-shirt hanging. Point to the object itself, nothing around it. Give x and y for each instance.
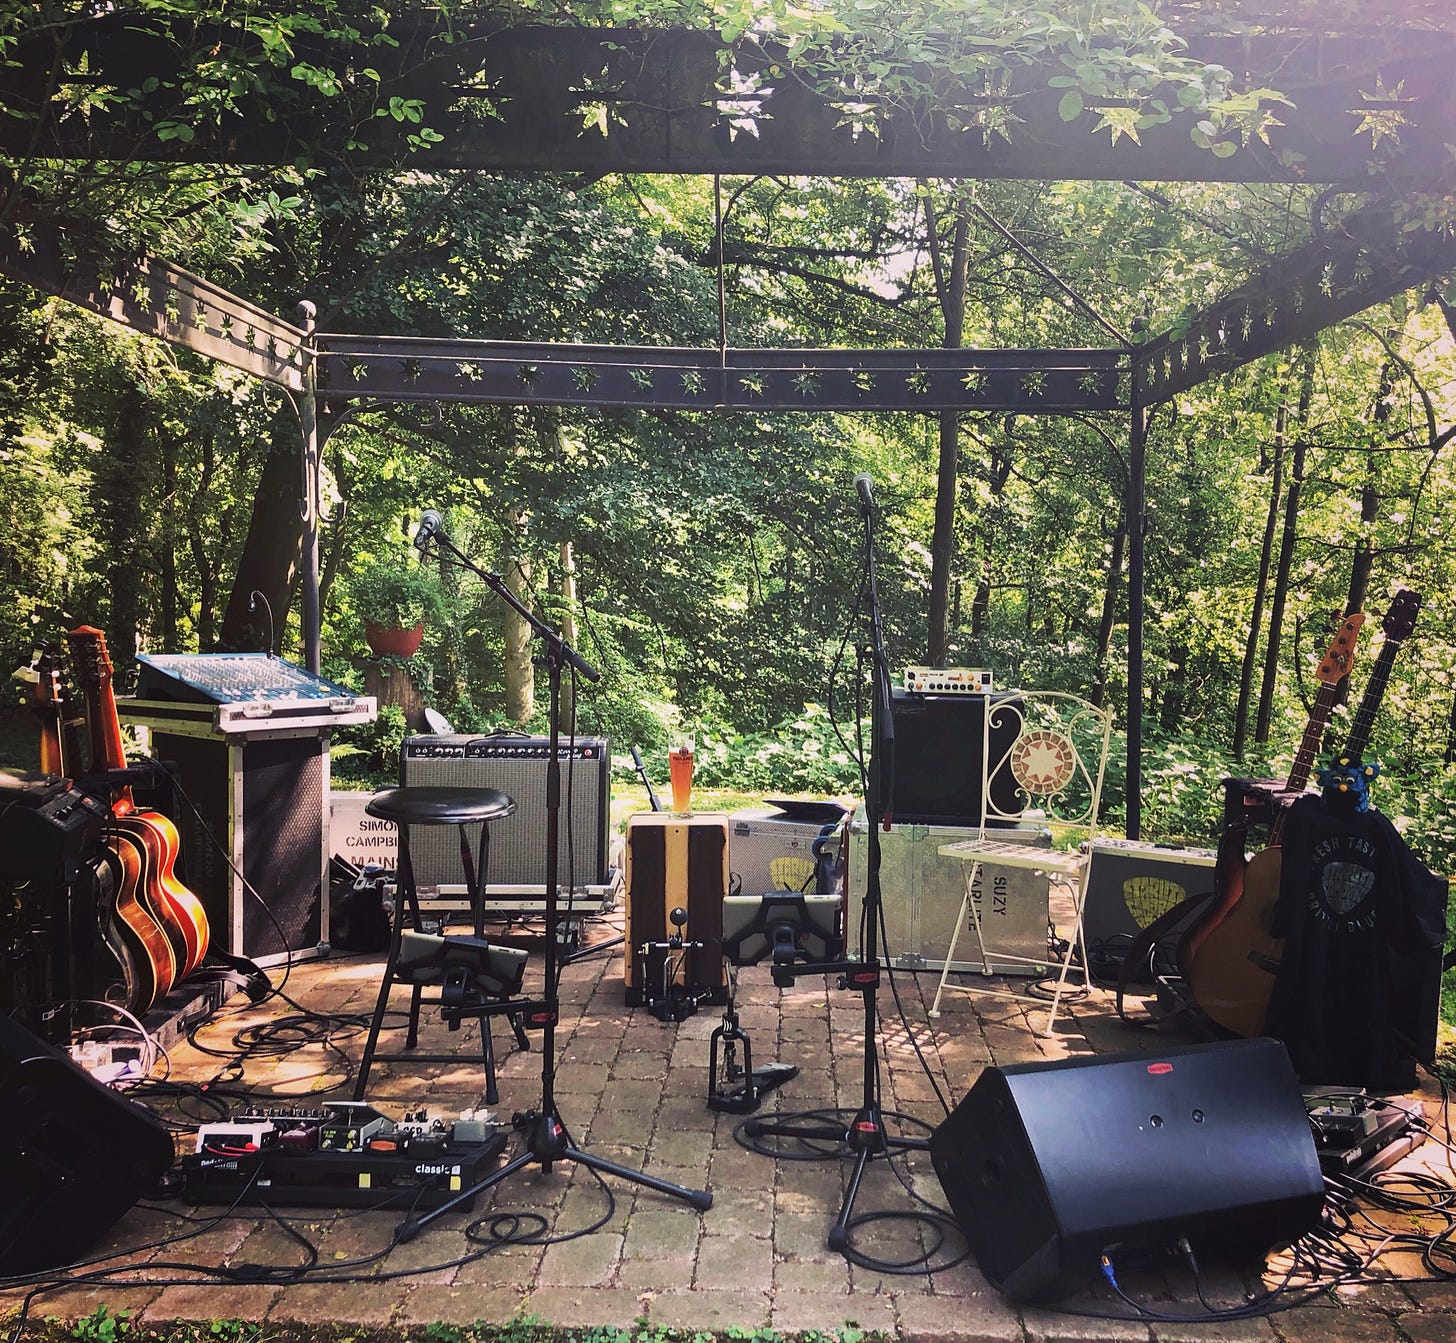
(1357, 994)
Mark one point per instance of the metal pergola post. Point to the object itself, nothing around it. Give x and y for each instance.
(1136, 531)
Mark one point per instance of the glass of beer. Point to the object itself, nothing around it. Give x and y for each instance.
(680, 769)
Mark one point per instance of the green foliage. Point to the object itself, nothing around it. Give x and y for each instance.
(397, 592)
(366, 755)
(800, 755)
(102, 1326)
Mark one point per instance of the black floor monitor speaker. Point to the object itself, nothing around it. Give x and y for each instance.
(517, 766)
(1048, 1166)
(74, 1156)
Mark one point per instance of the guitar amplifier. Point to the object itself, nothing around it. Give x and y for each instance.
(1129, 884)
(516, 765)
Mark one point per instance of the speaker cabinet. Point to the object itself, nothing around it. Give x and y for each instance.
(74, 1156)
(939, 759)
(1045, 1166)
(264, 799)
(517, 767)
(1129, 884)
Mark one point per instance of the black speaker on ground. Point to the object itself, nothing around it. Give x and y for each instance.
(74, 1156)
(1048, 1166)
(939, 758)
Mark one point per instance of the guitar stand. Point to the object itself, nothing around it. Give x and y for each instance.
(733, 1087)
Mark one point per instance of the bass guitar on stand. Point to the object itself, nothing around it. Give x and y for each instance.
(1346, 782)
(1229, 958)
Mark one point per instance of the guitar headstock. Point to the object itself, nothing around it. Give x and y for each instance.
(88, 651)
(1335, 665)
(1400, 619)
(46, 688)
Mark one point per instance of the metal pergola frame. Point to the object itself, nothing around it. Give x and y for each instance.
(1325, 281)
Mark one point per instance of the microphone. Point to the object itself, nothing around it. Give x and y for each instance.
(430, 524)
(862, 484)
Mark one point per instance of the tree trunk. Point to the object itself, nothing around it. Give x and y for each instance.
(167, 552)
(273, 548)
(121, 479)
(950, 283)
(1286, 553)
(1261, 586)
(1108, 619)
(981, 602)
(517, 674)
(568, 627)
(1174, 687)
(198, 518)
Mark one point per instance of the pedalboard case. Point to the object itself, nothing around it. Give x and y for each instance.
(921, 892)
(346, 1155)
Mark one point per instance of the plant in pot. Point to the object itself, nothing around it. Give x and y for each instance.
(396, 598)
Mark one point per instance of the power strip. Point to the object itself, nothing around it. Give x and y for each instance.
(107, 1056)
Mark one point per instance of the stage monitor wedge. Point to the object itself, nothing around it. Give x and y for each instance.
(74, 1155)
(1048, 1165)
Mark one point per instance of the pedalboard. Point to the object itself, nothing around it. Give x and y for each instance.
(947, 680)
(1357, 1136)
(343, 1155)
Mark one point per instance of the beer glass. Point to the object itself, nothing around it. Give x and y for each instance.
(680, 769)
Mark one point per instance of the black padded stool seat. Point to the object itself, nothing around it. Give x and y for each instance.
(478, 992)
(440, 806)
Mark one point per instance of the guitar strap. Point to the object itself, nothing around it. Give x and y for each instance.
(221, 967)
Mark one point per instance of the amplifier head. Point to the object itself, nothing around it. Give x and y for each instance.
(516, 765)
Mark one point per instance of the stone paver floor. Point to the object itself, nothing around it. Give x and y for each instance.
(633, 1089)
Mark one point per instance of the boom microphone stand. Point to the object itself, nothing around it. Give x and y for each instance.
(546, 1138)
(865, 1135)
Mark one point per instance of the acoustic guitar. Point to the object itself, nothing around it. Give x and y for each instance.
(145, 842)
(1221, 958)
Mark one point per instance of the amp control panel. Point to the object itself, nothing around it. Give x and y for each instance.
(948, 680)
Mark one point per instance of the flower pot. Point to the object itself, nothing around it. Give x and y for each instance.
(389, 641)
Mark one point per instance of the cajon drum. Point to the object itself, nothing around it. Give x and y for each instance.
(677, 862)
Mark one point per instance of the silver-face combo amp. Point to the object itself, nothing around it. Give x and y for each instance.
(516, 765)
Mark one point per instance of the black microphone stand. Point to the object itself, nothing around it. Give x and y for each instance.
(547, 1140)
(865, 1135)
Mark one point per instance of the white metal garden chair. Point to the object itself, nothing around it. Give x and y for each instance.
(1044, 757)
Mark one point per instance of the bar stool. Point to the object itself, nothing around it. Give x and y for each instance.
(475, 977)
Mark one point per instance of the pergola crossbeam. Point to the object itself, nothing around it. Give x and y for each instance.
(398, 368)
(1324, 282)
(595, 100)
(159, 299)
